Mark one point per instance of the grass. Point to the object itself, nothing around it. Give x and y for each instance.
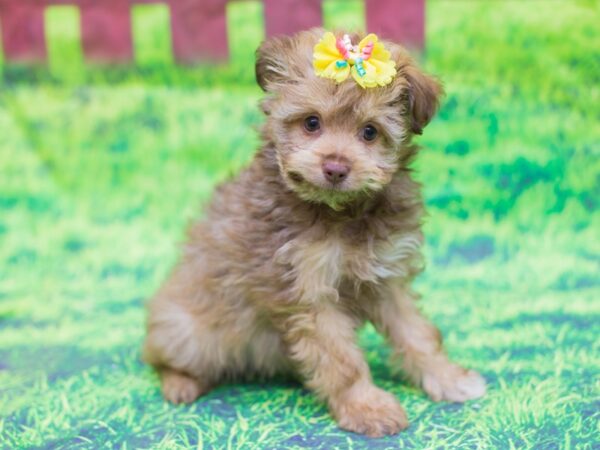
(100, 170)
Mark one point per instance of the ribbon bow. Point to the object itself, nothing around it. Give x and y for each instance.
(369, 61)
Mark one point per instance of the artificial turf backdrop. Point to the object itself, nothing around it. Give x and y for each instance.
(100, 170)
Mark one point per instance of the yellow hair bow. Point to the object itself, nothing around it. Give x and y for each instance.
(369, 61)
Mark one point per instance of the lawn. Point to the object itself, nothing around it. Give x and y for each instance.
(101, 170)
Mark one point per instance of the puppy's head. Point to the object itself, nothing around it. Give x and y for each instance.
(336, 143)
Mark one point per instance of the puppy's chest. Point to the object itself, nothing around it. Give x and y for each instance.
(320, 266)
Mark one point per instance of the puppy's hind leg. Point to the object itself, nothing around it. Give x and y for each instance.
(181, 346)
(178, 387)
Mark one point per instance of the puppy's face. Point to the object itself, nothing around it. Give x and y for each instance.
(336, 143)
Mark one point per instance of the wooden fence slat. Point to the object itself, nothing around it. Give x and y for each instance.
(199, 30)
(402, 21)
(198, 27)
(291, 16)
(23, 37)
(106, 31)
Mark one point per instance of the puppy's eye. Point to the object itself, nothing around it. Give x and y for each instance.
(312, 124)
(369, 133)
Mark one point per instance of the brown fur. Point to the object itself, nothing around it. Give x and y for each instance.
(286, 266)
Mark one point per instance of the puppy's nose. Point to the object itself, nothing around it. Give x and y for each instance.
(335, 172)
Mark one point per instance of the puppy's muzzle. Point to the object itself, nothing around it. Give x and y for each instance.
(335, 172)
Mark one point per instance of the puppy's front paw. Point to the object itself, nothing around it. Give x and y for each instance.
(453, 383)
(180, 388)
(366, 409)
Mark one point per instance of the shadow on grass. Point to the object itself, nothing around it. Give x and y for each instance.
(578, 322)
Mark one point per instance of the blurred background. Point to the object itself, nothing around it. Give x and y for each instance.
(103, 165)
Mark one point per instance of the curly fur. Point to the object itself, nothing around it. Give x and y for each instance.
(285, 266)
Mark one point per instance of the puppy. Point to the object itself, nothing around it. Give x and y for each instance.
(321, 233)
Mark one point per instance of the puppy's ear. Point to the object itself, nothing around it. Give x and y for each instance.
(424, 94)
(273, 61)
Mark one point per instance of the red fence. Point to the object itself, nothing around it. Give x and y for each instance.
(198, 27)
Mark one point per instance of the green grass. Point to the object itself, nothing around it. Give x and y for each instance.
(65, 54)
(98, 179)
(151, 31)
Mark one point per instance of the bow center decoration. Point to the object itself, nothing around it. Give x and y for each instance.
(368, 61)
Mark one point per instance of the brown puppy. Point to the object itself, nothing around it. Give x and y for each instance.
(321, 233)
